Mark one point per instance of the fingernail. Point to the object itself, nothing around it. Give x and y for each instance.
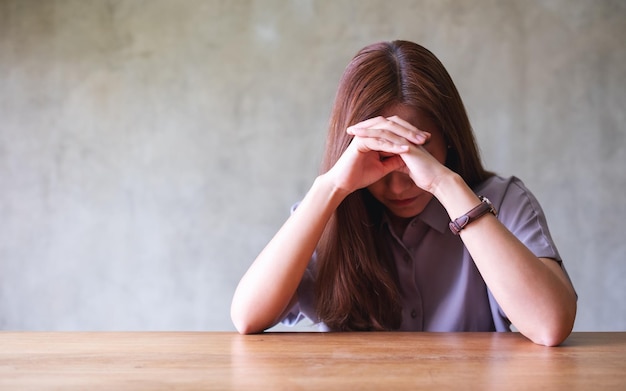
(423, 136)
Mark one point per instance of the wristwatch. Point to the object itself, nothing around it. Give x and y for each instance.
(485, 207)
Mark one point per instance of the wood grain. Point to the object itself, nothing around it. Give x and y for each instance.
(291, 361)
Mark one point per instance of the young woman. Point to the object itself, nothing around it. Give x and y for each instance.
(404, 229)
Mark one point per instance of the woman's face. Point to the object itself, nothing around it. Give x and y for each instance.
(397, 191)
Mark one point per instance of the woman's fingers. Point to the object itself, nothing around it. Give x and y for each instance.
(368, 123)
(408, 130)
(390, 127)
(379, 140)
(365, 141)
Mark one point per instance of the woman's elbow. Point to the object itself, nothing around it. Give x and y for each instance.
(556, 332)
(243, 321)
(245, 328)
(551, 338)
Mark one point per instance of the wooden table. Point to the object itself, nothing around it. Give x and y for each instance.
(321, 361)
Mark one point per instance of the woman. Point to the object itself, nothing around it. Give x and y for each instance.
(393, 234)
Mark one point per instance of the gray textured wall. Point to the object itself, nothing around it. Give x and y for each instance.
(149, 149)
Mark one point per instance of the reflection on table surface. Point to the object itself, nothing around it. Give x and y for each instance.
(210, 360)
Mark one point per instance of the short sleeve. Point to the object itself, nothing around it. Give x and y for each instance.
(520, 212)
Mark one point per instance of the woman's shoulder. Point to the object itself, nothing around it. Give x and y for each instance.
(508, 193)
(496, 187)
(520, 211)
(498, 183)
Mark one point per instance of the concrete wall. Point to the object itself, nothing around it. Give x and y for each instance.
(149, 149)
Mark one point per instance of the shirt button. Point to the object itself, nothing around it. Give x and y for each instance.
(413, 314)
(407, 258)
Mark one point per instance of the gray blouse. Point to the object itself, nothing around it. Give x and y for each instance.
(441, 287)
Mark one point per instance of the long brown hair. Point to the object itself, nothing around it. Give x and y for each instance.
(356, 284)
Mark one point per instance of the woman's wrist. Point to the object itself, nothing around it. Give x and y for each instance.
(446, 185)
(325, 184)
(454, 194)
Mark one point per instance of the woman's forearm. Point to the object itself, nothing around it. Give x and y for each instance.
(534, 293)
(270, 283)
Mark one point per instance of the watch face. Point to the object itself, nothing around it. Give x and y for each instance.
(492, 209)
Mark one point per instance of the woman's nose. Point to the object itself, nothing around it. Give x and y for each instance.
(398, 182)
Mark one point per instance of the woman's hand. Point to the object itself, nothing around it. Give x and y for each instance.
(374, 152)
(423, 163)
(426, 167)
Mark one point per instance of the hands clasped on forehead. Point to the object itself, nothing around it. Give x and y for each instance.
(392, 135)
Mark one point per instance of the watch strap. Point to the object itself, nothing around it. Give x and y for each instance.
(483, 208)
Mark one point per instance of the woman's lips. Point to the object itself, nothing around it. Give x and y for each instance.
(403, 202)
